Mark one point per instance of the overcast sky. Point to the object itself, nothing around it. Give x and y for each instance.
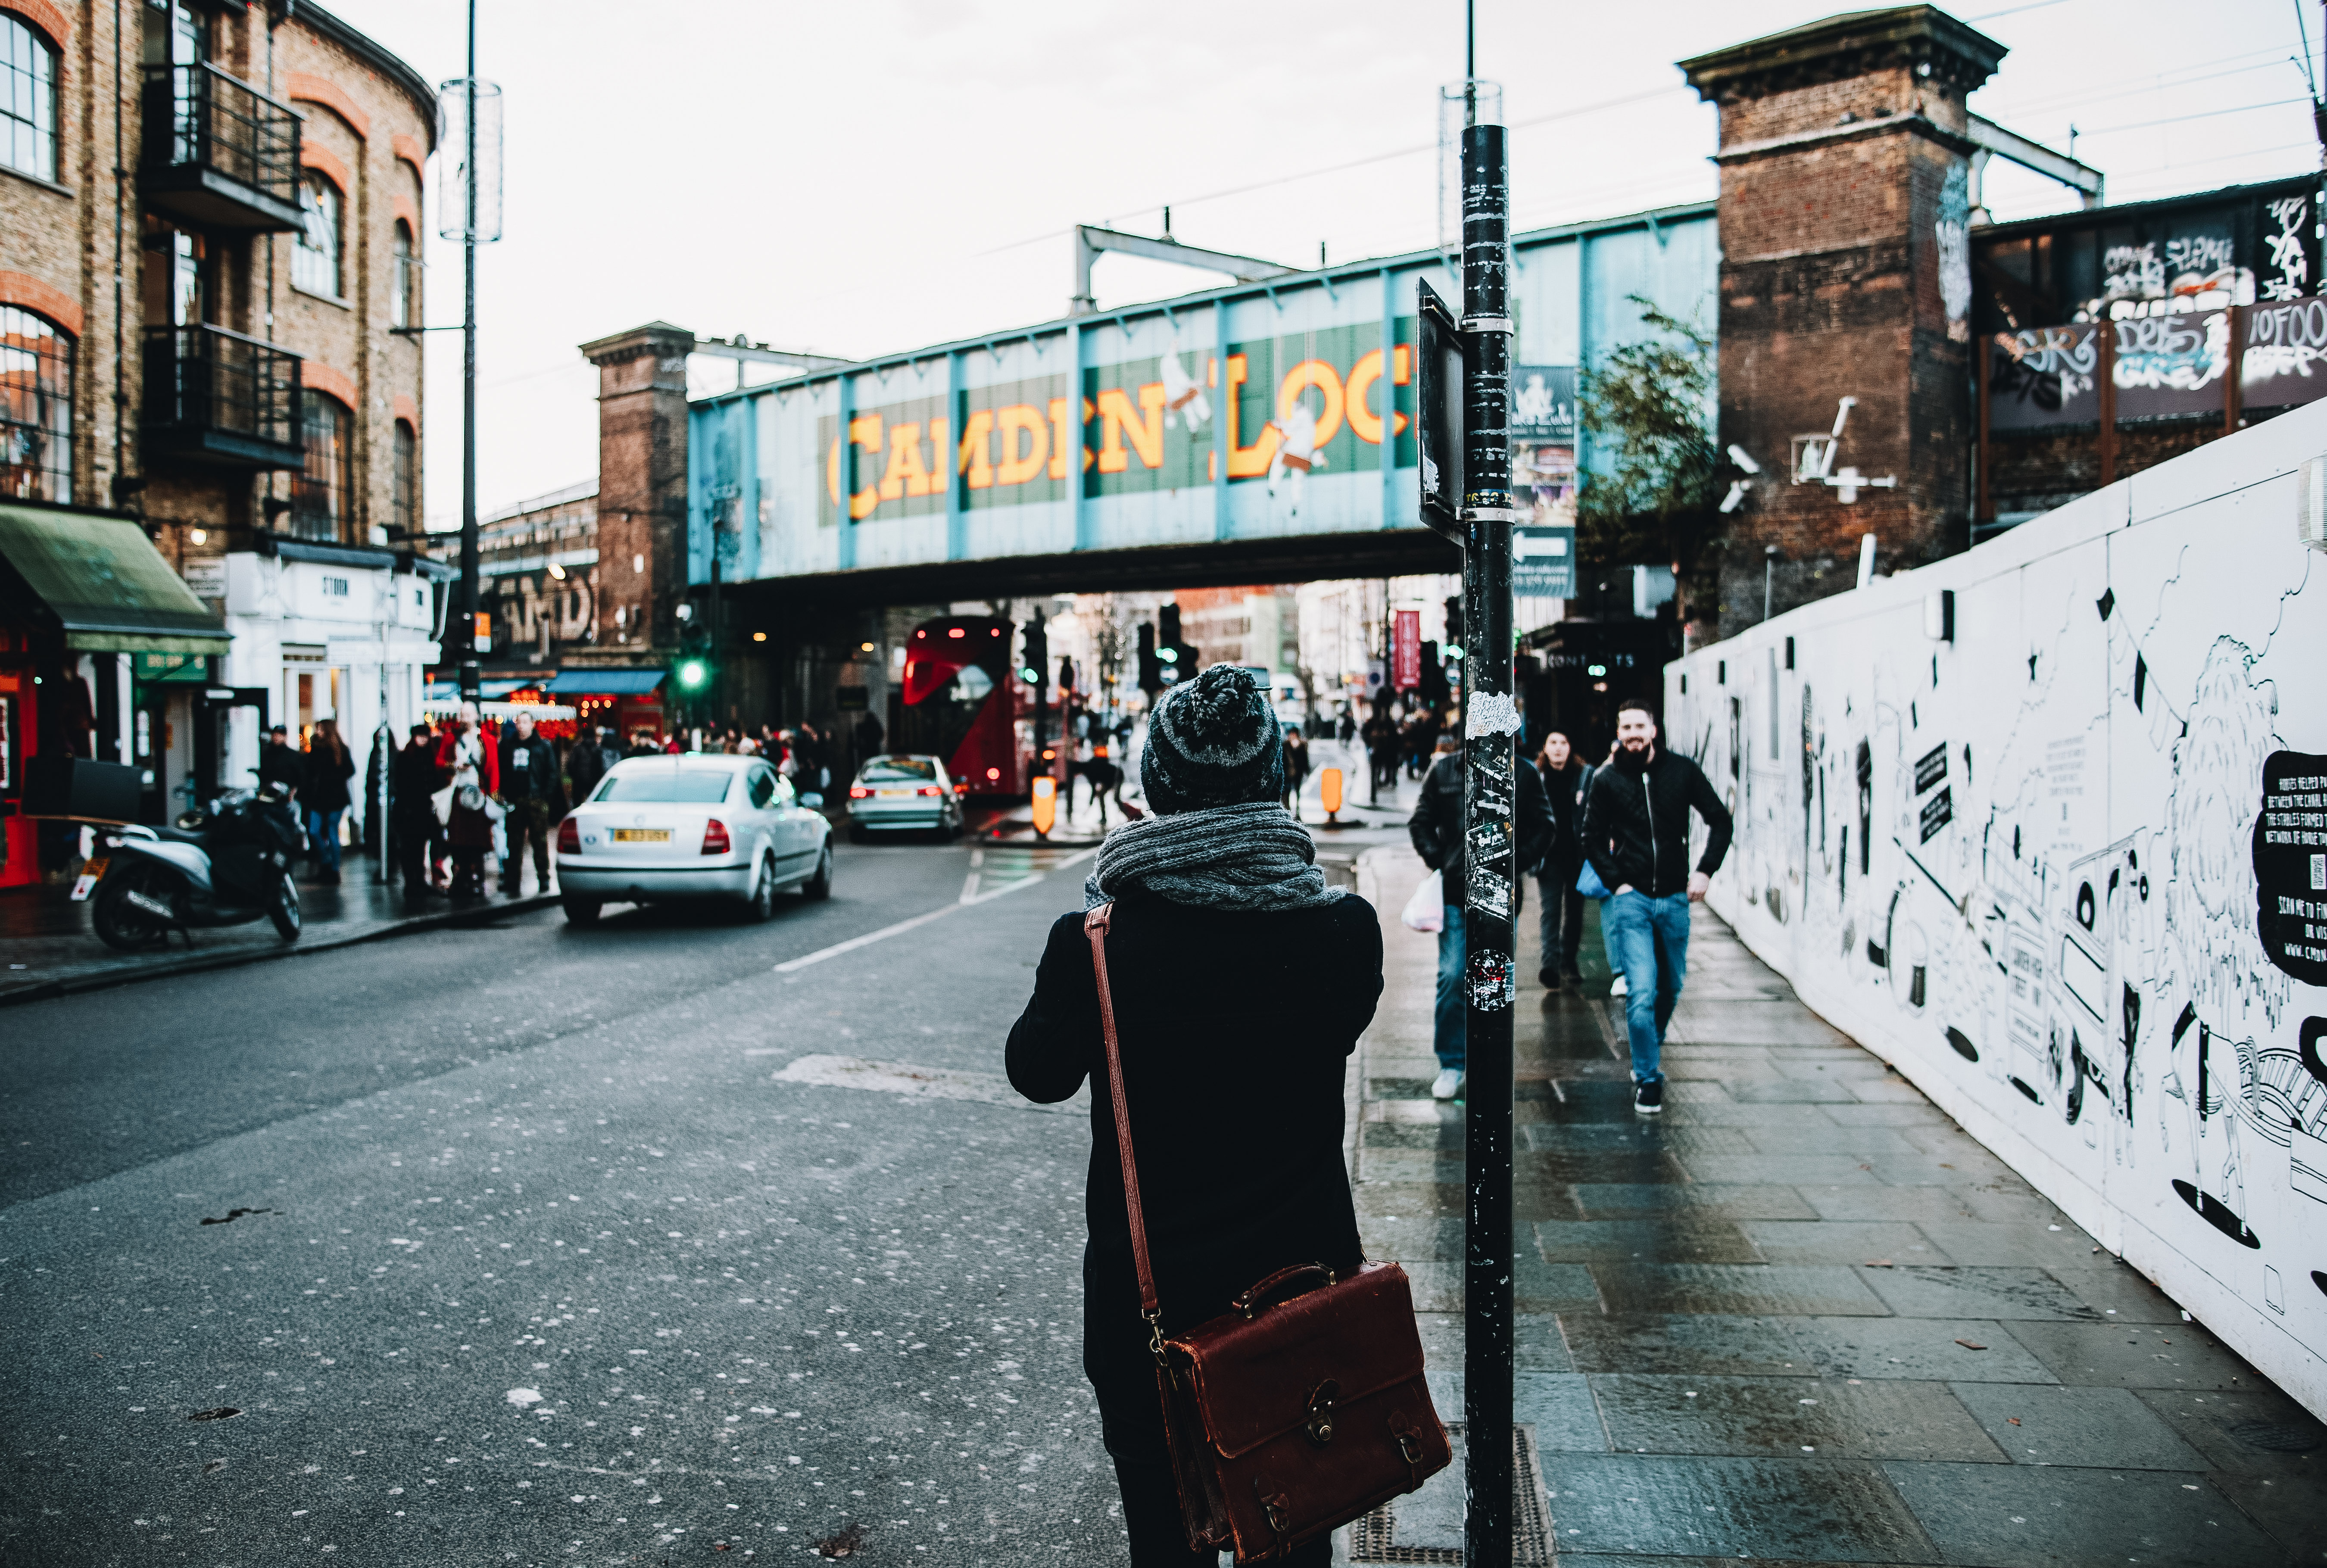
(870, 177)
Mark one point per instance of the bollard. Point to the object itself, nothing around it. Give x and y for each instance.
(1046, 805)
(1329, 794)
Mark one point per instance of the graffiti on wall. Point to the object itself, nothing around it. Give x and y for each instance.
(2072, 866)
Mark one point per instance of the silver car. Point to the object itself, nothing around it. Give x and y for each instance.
(692, 826)
(902, 790)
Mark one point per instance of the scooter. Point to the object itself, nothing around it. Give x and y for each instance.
(223, 866)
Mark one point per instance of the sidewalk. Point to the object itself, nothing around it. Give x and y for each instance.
(48, 948)
(1802, 1315)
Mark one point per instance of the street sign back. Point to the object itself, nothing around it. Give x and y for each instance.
(1441, 373)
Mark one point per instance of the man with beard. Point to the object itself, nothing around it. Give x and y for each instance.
(1635, 833)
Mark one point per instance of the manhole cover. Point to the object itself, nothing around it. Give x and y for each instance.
(2276, 1436)
(1426, 1526)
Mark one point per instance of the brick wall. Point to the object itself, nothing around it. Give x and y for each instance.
(641, 485)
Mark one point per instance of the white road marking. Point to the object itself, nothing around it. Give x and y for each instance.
(896, 1078)
(795, 965)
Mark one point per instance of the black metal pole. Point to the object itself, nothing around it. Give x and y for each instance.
(472, 672)
(1488, 720)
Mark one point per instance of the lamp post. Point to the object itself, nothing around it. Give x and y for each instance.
(469, 209)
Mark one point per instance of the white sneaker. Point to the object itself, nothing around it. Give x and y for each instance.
(1619, 988)
(1447, 1084)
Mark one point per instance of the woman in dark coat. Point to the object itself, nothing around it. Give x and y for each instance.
(324, 794)
(1241, 982)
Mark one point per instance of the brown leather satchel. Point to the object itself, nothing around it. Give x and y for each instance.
(1302, 1409)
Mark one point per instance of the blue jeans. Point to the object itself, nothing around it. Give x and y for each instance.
(323, 837)
(1453, 1014)
(1647, 941)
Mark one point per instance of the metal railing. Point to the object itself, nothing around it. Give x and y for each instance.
(207, 382)
(196, 116)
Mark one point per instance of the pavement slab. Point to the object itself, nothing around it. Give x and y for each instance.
(1730, 1507)
(1781, 1417)
(2017, 1516)
(2094, 1428)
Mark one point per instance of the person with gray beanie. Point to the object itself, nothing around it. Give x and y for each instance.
(1241, 980)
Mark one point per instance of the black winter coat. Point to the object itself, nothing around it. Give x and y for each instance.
(1235, 1032)
(1567, 849)
(1436, 826)
(325, 787)
(415, 780)
(585, 764)
(1636, 825)
(536, 779)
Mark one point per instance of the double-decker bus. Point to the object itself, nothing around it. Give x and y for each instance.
(965, 704)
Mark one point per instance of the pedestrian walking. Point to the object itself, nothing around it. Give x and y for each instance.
(279, 763)
(530, 793)
(324, 794)
(1560, 917)
(586, 761)
(1103, 776)
(413, 822)
(1635, 832)
(1220, 882)
(473, 768)
(1437, 832)
(1296, 768)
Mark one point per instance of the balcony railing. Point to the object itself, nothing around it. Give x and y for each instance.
(217, 397)
(218, 154)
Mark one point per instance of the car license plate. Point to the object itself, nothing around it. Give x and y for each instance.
(891, 794)
(640, 836)
(83, 884)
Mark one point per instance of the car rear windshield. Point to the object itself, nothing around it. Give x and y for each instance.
(691, 787)
(901, 769)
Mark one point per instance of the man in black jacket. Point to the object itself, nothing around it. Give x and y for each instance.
(413, 814)
(1436, 829)
(529, 790)
(1635, 833)
(587, 761)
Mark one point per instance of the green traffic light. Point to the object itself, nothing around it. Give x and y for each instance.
(693, 673)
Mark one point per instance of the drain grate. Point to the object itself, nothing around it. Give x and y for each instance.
(2276, 1437)
(1374, 1537)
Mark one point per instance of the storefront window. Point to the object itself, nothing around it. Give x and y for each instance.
(323, 495)
(36, 391)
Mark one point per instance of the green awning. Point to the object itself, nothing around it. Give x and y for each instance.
(105, 583)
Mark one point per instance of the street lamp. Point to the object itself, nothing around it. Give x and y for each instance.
(469, 209)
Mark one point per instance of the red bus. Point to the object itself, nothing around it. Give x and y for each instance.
(965, 704)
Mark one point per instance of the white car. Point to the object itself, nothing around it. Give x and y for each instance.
(902, 790)
(701, 825)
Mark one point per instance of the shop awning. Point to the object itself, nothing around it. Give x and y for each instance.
(105, 583)
(604, 683)
(450, 691)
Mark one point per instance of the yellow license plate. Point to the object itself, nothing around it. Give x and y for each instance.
(891, 794)
(640, 836)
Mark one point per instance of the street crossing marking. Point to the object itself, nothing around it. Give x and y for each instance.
(793, 966)
(897, 1077)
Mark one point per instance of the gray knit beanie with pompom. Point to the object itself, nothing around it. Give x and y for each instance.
(1213, 741)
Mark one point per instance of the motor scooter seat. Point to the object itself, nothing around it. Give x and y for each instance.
(168, 834)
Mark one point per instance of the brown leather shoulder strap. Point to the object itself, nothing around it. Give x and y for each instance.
(1095, 926)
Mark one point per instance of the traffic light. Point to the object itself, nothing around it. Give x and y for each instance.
(693, 674)
(1177, 657)
(1066, 674)
(1037, 654)
(1455, 641)
(1433, 675)
(1151, 666)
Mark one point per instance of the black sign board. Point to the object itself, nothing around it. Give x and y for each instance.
(1438, 411)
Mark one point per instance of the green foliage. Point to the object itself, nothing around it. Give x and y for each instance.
(1647, 405)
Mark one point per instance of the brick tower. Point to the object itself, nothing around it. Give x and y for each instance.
(1846, 273)
(641, 485)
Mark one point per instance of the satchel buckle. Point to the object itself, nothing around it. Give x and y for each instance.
(1320, 1425)
(1155, 1337)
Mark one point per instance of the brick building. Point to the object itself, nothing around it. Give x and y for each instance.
(205, 354)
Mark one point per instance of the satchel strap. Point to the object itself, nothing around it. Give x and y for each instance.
(1095, 926)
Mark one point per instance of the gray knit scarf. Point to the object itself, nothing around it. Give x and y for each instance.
(1251, 858)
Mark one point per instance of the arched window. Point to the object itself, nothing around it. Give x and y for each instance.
(323, 495)
(404, 298)
(36, 392)
(28, 100)
(406, 490)
(315, 249)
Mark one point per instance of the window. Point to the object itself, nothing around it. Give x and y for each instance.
(403, 498)
(404, 301)
(688, 787)
(323, 495)
(315, 248)
(28, 100)
(36, 391)
(763, 787)
(900, 770)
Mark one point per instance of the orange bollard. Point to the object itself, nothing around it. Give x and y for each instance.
(1046, 805)
(1329, 793)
